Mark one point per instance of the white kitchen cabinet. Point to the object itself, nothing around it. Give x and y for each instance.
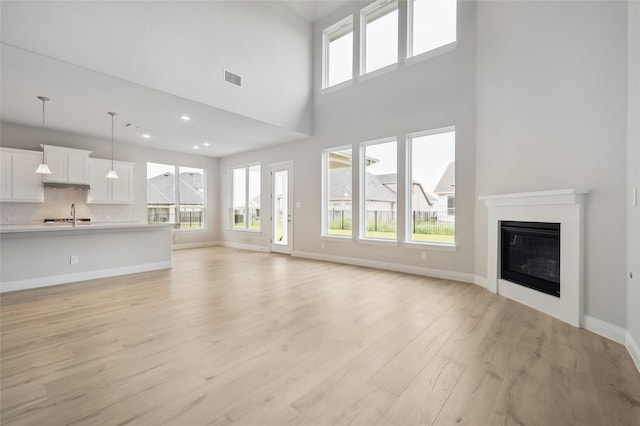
(19, 180)
(110, 191)
(68, 165)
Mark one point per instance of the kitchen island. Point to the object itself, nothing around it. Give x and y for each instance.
(38, 255)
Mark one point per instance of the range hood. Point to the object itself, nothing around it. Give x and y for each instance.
(59, 185)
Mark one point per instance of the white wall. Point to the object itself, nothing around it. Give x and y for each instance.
(57, 202)
(633, 178)
(430, 94)
(551, 84)
(181, 48)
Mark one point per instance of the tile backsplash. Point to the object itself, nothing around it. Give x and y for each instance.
(57, 204)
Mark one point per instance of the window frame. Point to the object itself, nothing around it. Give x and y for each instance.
(325, 192)
(364, 14)
(362, 202)
(410, 55)
(408, 237)
(340, 26)
(231, 217)
(176, 225)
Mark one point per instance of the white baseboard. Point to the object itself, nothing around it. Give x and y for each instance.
(633, 348)
(195, 245)
(244, 246)
(415, 270)
(481, 281)
(604, 329)
(80, 276)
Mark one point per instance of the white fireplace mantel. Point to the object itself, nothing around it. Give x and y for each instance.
(563, 206)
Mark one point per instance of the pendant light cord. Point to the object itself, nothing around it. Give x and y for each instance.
(112, 141)
(43, 99)
(112, 114)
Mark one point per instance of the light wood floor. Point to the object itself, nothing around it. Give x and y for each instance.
(237, 337)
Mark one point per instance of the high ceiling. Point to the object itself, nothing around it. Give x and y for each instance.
(312, 10)
(78, 97)
(81, 98)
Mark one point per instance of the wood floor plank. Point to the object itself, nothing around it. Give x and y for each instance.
(245, 338)
(425, 396)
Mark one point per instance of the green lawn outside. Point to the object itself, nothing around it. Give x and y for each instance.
(429, 238)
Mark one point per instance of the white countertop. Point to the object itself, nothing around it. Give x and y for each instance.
(68, 227)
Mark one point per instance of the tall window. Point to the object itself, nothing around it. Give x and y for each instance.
(176, 194)
(432, 23)
(379, 35)
(338, 53)
(379, 186)
(245, 198)
(432, 177)
(337, 197)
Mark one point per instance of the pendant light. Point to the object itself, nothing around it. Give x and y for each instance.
(43, 169)
(112, 173)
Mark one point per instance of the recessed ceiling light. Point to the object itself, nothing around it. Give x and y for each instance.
(146, 135)
(196, 147)
(185, 117)
(206, 143)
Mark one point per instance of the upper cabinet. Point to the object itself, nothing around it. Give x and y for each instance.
(110, 191)
(67, 165)
(18, 180)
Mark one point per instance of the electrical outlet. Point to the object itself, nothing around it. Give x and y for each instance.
(11, 219)
(323, 244)
(175, 237)
(73, 260)
(423, 255)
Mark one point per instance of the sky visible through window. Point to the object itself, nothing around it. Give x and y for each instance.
(431, 156)
(340, 59)
(434, 24)
(382, 42)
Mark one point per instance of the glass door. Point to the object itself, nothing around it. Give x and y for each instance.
(281, 212)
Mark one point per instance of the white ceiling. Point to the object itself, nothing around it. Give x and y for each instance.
(80, 100)
(312, 10)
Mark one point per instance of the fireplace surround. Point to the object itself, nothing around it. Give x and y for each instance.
(564, 207)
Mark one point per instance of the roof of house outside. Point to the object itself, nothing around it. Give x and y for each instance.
(447, 182)
(161, 189)
(377, 186)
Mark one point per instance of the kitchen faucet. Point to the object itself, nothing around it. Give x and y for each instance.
(73, 214)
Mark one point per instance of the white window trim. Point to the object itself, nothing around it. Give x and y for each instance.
(348, 21)
(363, 36)
(336, 87)
(409, 242)
(342, 239)
(380, 71)
(246, 196)
(325, 189)
(362, 228)
(378, 242)
(431, 246)
(429, 54)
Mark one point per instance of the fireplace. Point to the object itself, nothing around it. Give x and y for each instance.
(553, 221)
(530, 255)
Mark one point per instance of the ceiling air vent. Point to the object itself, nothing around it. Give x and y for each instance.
(232, 78)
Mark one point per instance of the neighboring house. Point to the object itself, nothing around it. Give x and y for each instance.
(381, 192)
(445, 190)
(161, 196)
